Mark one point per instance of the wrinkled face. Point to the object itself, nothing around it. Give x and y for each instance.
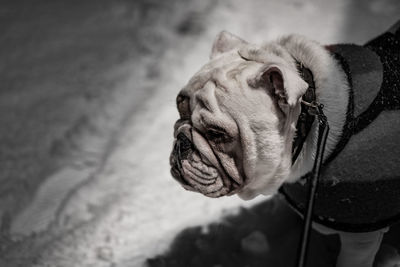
(235, 128)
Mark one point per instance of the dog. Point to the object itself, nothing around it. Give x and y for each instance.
(244, 129)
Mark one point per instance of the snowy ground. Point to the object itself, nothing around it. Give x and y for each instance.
(88, 99)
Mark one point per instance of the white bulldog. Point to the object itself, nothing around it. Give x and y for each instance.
(238, 118)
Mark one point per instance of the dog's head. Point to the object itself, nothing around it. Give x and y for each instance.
(237, 120)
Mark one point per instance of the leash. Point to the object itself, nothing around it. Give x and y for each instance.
(314, 109)
(311, 110)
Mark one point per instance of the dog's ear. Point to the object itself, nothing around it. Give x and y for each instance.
(284, 83)
(225, 42)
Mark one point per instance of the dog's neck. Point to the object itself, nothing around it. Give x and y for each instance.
(331, 89)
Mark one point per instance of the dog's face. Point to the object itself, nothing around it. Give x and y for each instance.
(237, 121)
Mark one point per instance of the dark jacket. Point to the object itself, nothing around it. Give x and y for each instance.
(359, 186)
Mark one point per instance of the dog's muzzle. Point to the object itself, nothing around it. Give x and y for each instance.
(194, 170)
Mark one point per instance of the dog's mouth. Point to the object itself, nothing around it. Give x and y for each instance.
(196, 167)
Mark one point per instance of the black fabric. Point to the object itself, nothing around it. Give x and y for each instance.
(345, 200)
(387, 46)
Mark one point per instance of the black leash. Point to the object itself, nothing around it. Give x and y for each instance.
(314, 109)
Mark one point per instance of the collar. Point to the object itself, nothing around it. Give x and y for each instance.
(307, 114)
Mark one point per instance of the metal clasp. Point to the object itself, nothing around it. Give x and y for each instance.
(315, 109)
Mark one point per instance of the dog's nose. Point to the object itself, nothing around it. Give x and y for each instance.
(183, 146)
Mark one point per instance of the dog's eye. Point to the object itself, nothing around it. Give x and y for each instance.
(217, 135)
